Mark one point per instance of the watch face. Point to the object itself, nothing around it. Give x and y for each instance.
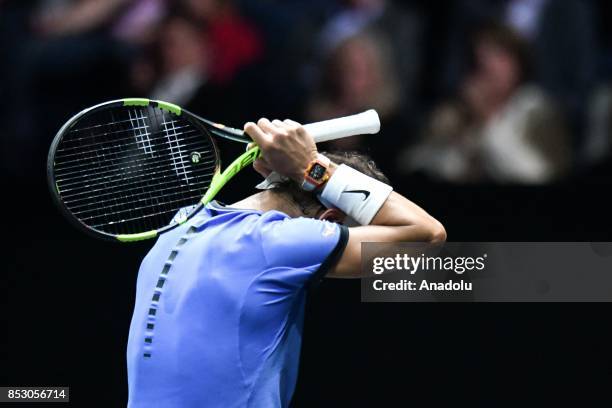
(317, 171)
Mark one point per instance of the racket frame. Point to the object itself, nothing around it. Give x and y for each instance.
(207, 127)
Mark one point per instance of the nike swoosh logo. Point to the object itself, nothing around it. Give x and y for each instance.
(365, 193)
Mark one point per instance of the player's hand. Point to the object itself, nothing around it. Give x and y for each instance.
(285, 145)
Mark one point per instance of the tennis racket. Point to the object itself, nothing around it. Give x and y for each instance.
(126, 170)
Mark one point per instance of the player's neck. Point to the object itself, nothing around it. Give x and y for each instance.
(268, 201)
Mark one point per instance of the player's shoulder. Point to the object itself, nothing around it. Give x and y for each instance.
(300, 227)
(299, 241)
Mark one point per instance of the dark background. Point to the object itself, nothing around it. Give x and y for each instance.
(67, 299)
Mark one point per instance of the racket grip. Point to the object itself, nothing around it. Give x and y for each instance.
(360, 124)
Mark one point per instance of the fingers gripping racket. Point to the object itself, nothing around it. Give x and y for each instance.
(121, 170)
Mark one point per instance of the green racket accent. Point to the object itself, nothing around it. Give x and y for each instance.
(136, 102)
(220, 179)
(137, 237)
(170, 107)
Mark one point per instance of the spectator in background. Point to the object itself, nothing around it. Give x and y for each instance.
(500, 127)
(200, 58)
(182, 63)
(234, 42)
(54, 45)
(562, 37)
(183, 60)
(359, 74)
(130, 21)
(400, 28)
(139, 22)
(55, 19)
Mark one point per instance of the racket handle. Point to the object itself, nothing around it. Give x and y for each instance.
(360, 124)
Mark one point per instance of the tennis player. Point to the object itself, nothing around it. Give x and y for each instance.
(220, 299)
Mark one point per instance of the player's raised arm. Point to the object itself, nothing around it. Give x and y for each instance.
(397, 220)
(384, 215)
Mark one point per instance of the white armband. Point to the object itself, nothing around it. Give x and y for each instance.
(357, 195)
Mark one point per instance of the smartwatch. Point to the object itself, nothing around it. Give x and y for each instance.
(316, 174)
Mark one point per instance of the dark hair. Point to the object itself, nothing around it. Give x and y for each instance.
(307, 201)
(507, 39)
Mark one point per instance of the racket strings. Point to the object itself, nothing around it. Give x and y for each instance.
(109, 202)
(193, 199)
(135, 171)
(96, 126)
(107, 175)
(80, 153)
(80, 139)
(131, 161)
(78, 203)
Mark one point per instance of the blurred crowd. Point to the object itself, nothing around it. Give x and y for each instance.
(469, 91)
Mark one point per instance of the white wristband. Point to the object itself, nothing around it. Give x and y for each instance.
(357, 195)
